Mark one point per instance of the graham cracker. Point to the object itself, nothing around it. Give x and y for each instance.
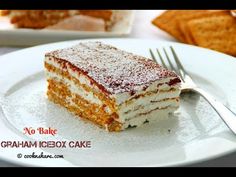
(169, 21)
(195, 15)
(215, 32)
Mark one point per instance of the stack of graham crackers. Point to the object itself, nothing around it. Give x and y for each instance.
(213, 29)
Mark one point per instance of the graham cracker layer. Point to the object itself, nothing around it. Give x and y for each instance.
(59, 94)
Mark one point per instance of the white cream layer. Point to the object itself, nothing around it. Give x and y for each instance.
(75, 89)
(134, 108)
(147, 108)
(119, 97)
(147, 99)
(155, 115)
(140, 105)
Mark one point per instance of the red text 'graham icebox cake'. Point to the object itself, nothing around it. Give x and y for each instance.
(110, 87)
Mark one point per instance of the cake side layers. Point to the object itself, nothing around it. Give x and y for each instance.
(137, 105)
(60, 94)
(81, 101)
(159, 86)
(149, 117)
(95, 94)
(114, 70)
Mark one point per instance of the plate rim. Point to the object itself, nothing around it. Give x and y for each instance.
(186, 162)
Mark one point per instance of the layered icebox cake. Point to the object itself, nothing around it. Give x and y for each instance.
(110, 87)
(38, 19)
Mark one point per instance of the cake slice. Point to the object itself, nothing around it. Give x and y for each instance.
(110, 87)
(39, 19)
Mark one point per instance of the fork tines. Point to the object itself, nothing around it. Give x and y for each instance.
(180, 69)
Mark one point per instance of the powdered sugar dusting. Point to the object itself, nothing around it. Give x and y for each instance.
(116, 70)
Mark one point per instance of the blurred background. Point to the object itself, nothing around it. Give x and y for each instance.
(213, 29)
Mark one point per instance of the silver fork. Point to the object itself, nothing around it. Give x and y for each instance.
(188, 85)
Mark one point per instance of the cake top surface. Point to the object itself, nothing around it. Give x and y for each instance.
(116, 70)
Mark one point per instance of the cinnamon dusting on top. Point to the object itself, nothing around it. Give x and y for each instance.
(116, 70)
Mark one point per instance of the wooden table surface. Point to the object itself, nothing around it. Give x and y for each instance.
(142, 28)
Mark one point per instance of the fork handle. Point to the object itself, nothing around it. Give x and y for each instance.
(228, 116)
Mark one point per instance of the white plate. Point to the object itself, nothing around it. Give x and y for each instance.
(195, 133)
(30, 37)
